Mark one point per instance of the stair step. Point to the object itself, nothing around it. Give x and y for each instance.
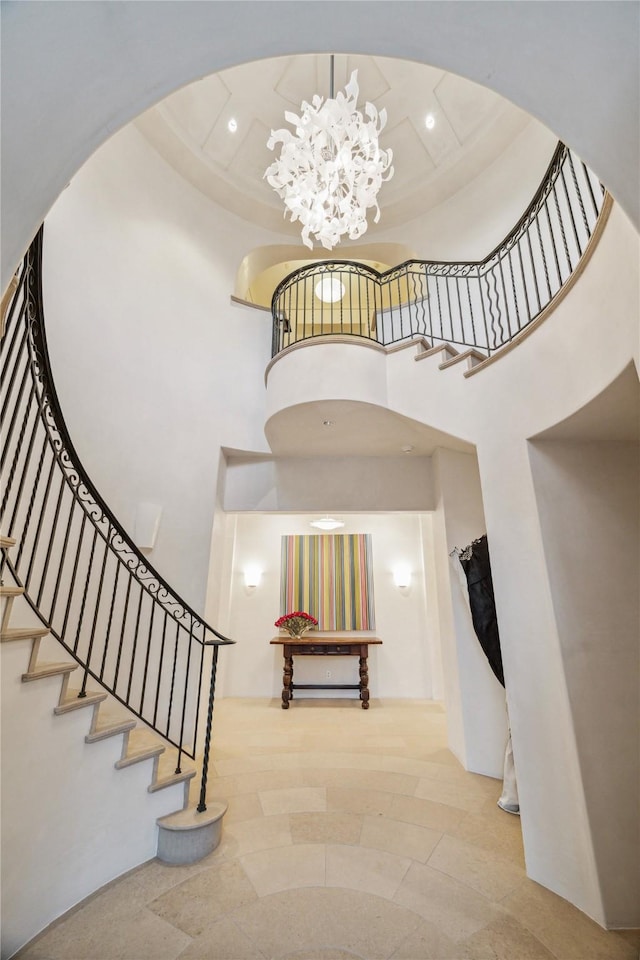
(110, 728)
(73, 702)
(167, 777)
(187, 836)
(189, 818)
(170, 780)
(472, 357)
(23, 633)
(434, 351)
(11, 591)
(141, 745)
(421, 342)
(6, 542)
(48, 670)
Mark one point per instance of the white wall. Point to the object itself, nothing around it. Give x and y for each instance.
(587, 494)
(401, 667)
(331, 483)
(154, 369)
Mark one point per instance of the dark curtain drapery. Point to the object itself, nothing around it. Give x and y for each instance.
(477, 567)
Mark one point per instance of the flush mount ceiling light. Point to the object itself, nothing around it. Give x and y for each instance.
(330, 290)
(429, 121)
(327, 523)
(330, 172)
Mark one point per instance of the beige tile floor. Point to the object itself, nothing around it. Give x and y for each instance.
(349, 834)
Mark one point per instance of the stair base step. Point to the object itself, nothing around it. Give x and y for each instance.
(188, 836)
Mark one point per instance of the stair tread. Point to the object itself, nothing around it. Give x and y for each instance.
(168, 780)
(114, 719)
(23, 633)
(190, 819)
(471, 354)
(143, 737)
(73, 702)
(142, 744)
(49, 670)
(10, 591)
(111, 726)
(435, 350)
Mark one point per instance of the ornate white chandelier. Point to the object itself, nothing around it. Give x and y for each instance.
(330, 172)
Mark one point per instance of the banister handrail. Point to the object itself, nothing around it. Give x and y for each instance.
(481, 304)
(84, 577)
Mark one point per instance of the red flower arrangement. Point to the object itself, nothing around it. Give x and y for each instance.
(296, 623)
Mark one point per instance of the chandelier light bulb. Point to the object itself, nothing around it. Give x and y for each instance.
(329, 173)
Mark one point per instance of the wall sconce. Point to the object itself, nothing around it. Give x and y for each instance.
(402, 577)
(252, 576)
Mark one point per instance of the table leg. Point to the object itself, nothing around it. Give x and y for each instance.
(364, 683)
(286, 681)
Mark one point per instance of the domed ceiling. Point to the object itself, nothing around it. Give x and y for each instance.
(214, 132)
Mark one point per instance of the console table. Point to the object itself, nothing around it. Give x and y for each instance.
(325, 646)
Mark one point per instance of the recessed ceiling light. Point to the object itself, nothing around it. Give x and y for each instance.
(429, 121)
(329, 290)
(327, 523)
(232, 126)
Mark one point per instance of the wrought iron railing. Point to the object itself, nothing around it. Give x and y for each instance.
(83, 576)
(484, 304)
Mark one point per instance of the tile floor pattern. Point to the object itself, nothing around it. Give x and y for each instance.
(349, 834)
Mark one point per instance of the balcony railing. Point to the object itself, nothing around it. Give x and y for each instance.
(484, 304)
(83, 576)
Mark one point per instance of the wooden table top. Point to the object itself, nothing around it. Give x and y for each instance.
(319, 641)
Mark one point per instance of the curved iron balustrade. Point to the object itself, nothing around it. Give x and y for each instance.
(484, 304)
(83, 576)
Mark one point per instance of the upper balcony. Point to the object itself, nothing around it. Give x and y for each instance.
(477, 307)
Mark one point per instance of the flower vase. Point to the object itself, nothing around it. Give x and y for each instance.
(296, 624)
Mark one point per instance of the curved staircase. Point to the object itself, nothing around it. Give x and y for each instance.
(84, 613)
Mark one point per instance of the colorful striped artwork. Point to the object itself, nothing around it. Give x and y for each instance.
(330, 577)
